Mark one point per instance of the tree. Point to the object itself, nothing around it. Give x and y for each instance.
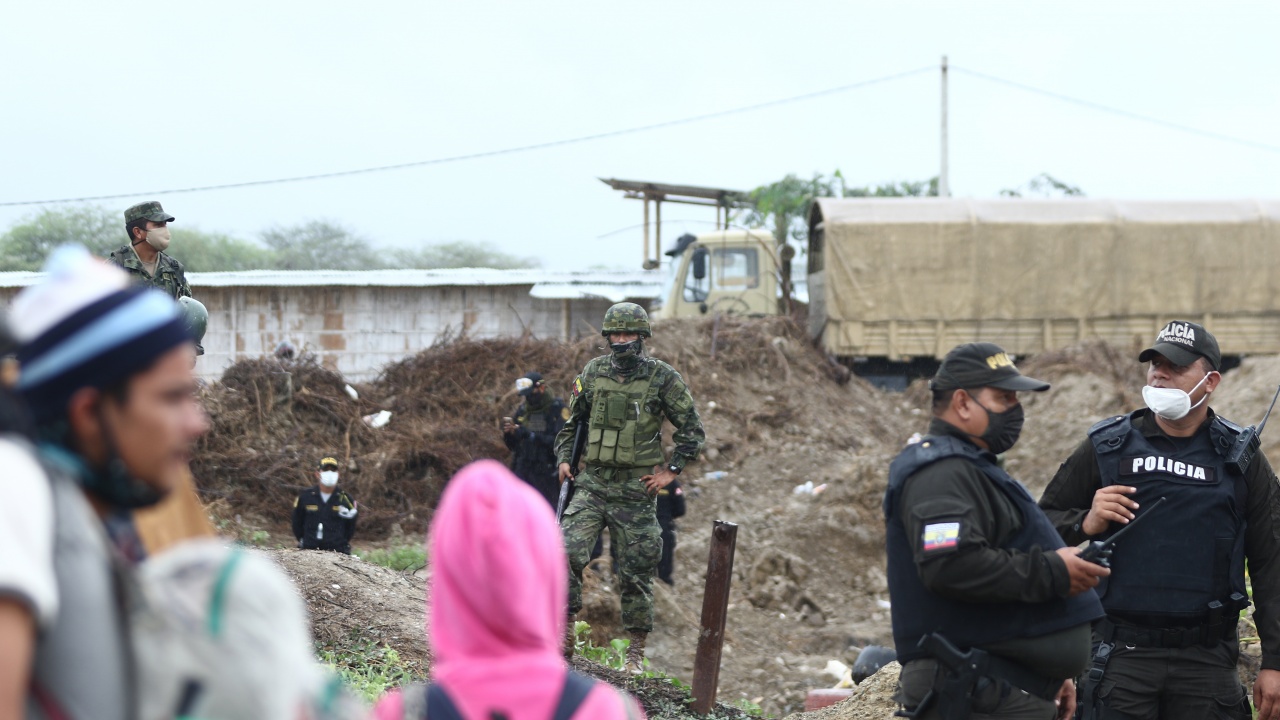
(460, 254)
(1044, 185)
(318, 245)
(785, 204)
(26, 244)
(206, 252)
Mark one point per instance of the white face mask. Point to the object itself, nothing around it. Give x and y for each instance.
(329, 478)
(1172, 403)
(158, 238)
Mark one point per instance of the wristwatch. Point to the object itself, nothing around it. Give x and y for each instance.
(675, 470)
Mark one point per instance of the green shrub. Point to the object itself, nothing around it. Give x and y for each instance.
(406, 557)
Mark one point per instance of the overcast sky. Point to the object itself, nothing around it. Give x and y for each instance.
(118, 98)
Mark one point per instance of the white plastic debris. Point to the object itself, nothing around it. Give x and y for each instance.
(915, 438)
(715, 475)
(805, 488)
(377, 420)
(351, 392)
(841, 672)
(882, 604)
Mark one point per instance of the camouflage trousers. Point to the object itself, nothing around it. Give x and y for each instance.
(615, 498)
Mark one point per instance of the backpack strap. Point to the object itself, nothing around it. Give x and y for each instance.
(434, 703)
(576, 689)
(439, 706)
(218, 598)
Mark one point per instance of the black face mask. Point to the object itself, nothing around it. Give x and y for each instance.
(626, 356)
(1003, 428)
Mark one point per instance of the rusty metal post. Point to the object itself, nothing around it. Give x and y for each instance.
(715, 611)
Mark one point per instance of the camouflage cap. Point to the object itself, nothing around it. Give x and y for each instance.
(150, 210)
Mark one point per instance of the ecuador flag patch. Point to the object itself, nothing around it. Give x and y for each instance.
(940, 536)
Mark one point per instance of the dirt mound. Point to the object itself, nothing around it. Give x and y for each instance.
(352, 602)
(872, 700)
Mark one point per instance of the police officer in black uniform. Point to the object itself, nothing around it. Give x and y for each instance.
(1168, 645)
(974, 567)
(670, 506)
(324, 517)
(530, 434)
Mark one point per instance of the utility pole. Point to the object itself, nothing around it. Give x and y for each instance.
(944, 183)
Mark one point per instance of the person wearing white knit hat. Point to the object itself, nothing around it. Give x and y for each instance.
(105, 370)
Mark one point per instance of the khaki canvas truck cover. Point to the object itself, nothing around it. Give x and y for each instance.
(913, 277)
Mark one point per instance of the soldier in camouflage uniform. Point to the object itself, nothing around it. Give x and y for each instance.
(144, 258)
(147, 225)
(623, 397)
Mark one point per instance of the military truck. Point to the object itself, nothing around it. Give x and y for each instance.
(893, 283)
(896, 282)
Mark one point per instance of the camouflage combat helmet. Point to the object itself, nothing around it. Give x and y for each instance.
(196, 317)
(626, 317)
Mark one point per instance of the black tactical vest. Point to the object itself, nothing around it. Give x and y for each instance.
(1190, 552)
(535, 419)
(918, 612)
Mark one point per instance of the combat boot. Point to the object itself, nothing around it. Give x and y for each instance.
(635, 652)
(569, 637)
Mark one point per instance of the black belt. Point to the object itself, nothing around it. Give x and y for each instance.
(1042, 686)
(997, 668)
(1176, 638)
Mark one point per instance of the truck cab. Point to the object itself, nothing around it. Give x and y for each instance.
(726, 272)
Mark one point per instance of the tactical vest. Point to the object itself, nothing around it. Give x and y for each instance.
(917, 612)
(82, 667)
(626, 424)
(536, 420)
(1190, 552)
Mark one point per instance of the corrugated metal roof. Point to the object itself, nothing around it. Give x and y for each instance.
(1029, 210)
(631, 279)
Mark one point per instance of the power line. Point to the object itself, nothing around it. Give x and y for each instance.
(490, 153)
(1122, 113)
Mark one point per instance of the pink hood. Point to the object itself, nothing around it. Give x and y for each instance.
(497, 600)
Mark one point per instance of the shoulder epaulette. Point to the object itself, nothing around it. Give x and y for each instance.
(1109, 422)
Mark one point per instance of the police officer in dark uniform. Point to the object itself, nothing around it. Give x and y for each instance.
(1168, 645)
(974, 567)
(670, 506)
(530, 434)
(324, 517)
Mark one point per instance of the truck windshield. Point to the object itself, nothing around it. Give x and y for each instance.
(735, 268)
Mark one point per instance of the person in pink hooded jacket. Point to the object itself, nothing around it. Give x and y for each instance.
(496, 612)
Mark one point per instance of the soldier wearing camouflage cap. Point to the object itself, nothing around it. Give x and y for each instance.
(144, 258)
(623, 398)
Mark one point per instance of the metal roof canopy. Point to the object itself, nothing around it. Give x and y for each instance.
(683, 194)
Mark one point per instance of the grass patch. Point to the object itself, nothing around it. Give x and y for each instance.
(369, 668)
(406, 557)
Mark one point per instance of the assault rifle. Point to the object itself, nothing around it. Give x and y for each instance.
(566, 487)
(1247, 443)
(1099, 551)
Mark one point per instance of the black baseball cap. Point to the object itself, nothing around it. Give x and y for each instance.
(534, 378)
(982, 364)
(1183, 342)
(328, 463)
